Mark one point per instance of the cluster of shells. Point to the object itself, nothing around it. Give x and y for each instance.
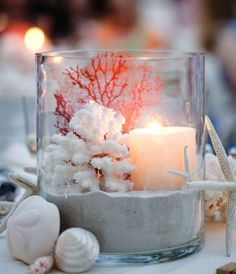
(76, 249)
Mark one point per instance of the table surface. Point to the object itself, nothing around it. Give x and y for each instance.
(204, 262)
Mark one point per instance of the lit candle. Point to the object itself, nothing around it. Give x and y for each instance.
(155, 150)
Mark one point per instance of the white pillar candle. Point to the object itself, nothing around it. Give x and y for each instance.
(154, 151)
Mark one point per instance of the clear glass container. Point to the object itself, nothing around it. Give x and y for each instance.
(118, 135)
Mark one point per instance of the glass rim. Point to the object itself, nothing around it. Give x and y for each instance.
(141, 54)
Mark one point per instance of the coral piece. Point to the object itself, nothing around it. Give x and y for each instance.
(41, 266)
(76, 250)
(92, 155)
(61, 111)
(216, 199)
(112, 79)
(32, 229)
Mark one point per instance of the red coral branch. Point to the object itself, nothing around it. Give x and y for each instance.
(114, 80)
(63, 117)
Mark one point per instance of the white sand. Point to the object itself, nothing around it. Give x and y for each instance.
(134, 221)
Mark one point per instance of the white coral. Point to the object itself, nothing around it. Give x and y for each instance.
(215, 201)
(116, 183)
(108, 166)
(92, 155)
(95, 122)
(86, 179)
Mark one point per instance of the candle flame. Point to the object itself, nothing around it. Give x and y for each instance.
(157, 123)
(155, 126)
(34, 39)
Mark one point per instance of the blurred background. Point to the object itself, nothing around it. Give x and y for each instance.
(29, 26)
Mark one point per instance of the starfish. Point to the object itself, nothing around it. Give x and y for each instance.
(225, 186)
(228, 185)
(28, 183)
(187, 174)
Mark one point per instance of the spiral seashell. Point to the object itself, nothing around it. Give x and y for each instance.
(76, 250)
(41, 266)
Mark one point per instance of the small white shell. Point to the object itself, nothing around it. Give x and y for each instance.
(41, 266)
(33, 228)
(76, 250)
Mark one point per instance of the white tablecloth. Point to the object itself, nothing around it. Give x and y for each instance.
(204, 262)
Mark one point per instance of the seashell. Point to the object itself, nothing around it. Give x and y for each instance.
(76, 250)
(41, 266)
(32, 229)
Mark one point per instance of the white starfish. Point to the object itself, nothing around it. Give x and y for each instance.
(29, 183)
(24, 180)
(225, 186)
(187, 174)
(228, 185)
(228, 173)
(31, 170)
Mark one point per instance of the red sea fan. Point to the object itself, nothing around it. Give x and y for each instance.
(63, 117)
(113, 79)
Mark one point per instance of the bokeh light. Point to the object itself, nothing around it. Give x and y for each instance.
(34, 39)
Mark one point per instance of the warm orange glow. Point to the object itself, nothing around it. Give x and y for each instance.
(155, 126)
(57, 59)
(156, 123)
(34, 39)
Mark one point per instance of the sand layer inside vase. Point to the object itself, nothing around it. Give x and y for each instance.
(134, 221)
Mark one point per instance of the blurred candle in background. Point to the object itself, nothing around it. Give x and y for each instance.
(34, 39)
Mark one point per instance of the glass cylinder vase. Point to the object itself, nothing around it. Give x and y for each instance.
(119, 134)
